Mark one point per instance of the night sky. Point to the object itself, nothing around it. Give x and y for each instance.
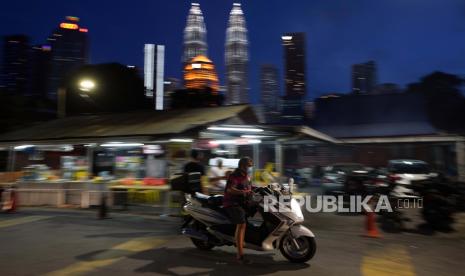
(407, 38)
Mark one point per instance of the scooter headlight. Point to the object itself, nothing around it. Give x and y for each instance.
(295, 208)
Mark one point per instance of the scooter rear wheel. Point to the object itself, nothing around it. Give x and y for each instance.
(202, 245)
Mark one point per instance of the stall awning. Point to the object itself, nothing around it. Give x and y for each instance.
(140, 125)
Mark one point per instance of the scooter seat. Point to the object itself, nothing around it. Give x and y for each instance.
(215, 201)
(210, 201)
(202, 198)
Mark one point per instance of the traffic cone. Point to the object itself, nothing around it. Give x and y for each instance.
(370, 225)
(13, 202)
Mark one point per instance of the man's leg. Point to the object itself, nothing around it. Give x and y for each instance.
(242, 238)
(239, 235)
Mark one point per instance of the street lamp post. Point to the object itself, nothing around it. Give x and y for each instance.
(86, 85)
(61, 102)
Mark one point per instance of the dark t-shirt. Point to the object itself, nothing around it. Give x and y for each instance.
(194, 167)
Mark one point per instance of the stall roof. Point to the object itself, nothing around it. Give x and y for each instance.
(318, 135)
(282, 133)
(380, 130)
(366, 116)
(132, 124)
(147, 126)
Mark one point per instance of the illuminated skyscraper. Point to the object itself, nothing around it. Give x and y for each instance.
(149, 69)
(236, 57)
(294, 59)
(195, 35)
(154, 73)
(15, 63)
(69, 45)
(171, 85)
(292, 104)
(270, 91)
(40, 69)
(200, 73)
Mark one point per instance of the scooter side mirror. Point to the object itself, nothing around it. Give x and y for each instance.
(291, 184)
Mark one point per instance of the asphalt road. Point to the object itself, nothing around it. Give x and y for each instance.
(38, 241)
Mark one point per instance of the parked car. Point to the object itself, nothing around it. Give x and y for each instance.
(403, 172)
(367, 182)
(335, 176)
(300, 176)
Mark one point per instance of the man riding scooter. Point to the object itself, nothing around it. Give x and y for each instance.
(238, 187)
(221, 220)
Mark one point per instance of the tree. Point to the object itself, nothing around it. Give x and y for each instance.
(445, 103)
(117, 89)
(195, 98)
(437, 83)
(17, 111)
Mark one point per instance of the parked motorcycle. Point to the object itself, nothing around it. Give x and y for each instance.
(439, 202)
(208, 225)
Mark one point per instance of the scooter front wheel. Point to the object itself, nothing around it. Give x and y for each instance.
(298, 250)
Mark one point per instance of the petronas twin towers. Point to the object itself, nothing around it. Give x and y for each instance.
(236, 49)
(195, 35)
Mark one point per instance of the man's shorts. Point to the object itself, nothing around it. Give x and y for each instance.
(236, 214)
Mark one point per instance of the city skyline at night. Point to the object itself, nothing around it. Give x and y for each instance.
(193, 137)
(395, 34)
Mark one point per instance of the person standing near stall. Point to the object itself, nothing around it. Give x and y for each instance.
(218, 176)
(195, 164)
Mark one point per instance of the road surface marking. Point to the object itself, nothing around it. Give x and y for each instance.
(393, 260)
(110, 256)
(140, 244)
(17, 221)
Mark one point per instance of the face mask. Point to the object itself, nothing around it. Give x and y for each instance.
(249, 170)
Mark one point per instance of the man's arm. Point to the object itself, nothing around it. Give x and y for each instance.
(233, 190)
(202, 170)
(186, 168)
(215, 177)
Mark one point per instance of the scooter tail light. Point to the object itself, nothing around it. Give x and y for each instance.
(394, 178)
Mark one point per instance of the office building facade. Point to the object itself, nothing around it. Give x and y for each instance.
(171, 85)
(69, 45)
(292, 104)
(364, 77)
(15, 64)
(154, 74)
(295, 65)
(40, 64)
(269, 92)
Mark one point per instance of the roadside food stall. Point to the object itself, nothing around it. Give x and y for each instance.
(68, 161)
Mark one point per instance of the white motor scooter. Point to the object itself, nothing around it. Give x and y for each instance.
(208, 224)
